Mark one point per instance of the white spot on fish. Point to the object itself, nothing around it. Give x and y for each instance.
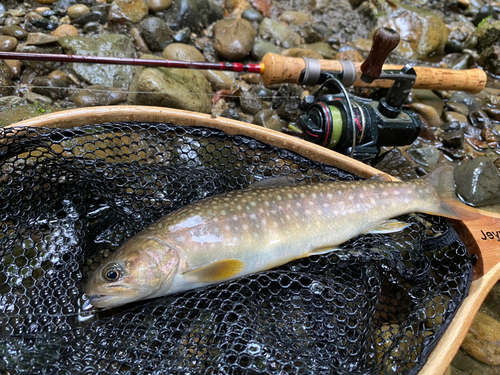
(188, 223)
(207, 238)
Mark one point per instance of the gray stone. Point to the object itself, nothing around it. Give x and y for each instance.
(261, 47)
(193, 14)
(252, 15)
(16, 31)
(281, 33)
(96, 14)
(100, 95)
(156, 33)
(324, 49)
(41, 67)
(112, 45)
(268, 119)
(234, 38)
(250, 103)
(32, 97)
(465, 98)
(426, 155)
(175, 88)
(40, 39)
(10, 101)
(478, 182)
(394, 163)
(122, 11)
(53, 88)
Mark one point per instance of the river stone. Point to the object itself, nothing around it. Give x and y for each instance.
(426, 155)
(429, 113)
(252, 15)
(350, 54)
(97, 14)
(489, 59)
(32, 97)
(250, 103)
(15, 31)
(295, 17)
(113, 45)
(176, 88)
(261, 47)
(7, 43)
(193, 14)
(301, 52)
(77, 10)
(184, 52)
(284, 36)
(269, 119)
(324, 49)
(40, 39)
(156, 33)
(427, 97)
(52, 88)
(5, 79)
(458, 107)
(158, 5)
(483, 339)
(478, 182)
(128, 11)
(422, 32)
(100, 95)
(394, 163)
(15, 66)
(460, 31)
(41, 67)
(233, 38)
(487, 34)
(65, 30)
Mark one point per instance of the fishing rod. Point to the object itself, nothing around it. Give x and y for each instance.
(275, 69)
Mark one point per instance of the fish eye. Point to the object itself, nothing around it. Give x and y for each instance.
(111, 273)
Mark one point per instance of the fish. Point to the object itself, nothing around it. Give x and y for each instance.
(228, 236)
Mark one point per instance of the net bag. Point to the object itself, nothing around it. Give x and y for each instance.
(70, 197)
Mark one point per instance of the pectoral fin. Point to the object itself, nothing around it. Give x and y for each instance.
(323, 250)
(388, 226)
(218, 270)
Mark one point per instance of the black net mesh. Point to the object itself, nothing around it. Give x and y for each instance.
(69, 198)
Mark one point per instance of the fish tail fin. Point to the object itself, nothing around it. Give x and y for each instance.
(450, 206)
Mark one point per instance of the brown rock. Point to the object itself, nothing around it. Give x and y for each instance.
(77, 10)
(483, 339)
(428, 112)
(59, 75)
(15, 31)
(159, 5)
(349, 55)
(15, 66)
(234, 38)
(40, 39)
(7, 43)
(301, 52)
(296, 18)
(236, 7)
(65, 30)
(125, 10)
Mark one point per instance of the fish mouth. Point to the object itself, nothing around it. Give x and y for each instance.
(120, 296)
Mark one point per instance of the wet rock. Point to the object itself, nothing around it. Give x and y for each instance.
(60, 75)
(96, 14)
(427, 97)
(324, 49)
(489, 59)
(478, 182)
(32, 97)
(487, 34)
(465, 98)
(492, 302)
(295, 17)
(182, 36)
(262, 92)
(139, 42)
(235, 8)
(396, 164)
(301, 52)
(268, 119)
(483, 339)
(15, 66)
(460, 31)
(252, 15)
(10, 101)
(426, 155)
(286, 103)
(127, 11)
(349, 54)
(7, 43)
(15, 31)
(184, 52)
(193, 14)
(429, 113)
(77, 10)
(261, 47)
(114, 45)
(456, 117)
(493, 113)
(278, 31)
(53, 88)
(41, 67)
(486, 11)
(234, 38)
(65, 30)
(156, 33)
(63, 5)
(250, 103)
(422, 32)
(453, 135)
(175, 88)
(458, 107)
(463, 362)
(40, 39)
(158, 5)
(100, 95)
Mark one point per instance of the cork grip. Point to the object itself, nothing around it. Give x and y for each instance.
(281, 69)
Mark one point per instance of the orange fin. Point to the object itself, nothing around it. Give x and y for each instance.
(444, 182)
(215, 271)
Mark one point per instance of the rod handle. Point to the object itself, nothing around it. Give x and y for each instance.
(385, 40)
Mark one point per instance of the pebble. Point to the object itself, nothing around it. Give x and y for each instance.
(65, 30)
(234, 38)
(52, 88)
(349, 55)
(301, 52)
(7, 43)
(95, 15)
(458, 107)
(426, 155)
(429, 114)
(59, 75)
(15, 31)
(261, 47)
(7, 102)
(32, 97)
(324, 49)
(139, 42)
(156, 33)
(15, 66)
(250, 103)
(478, 182)
(77, 10)
(13, 21)
(125, 10)
(295, 17)
(5, 79)
(269, 119)
(284, 36)
(252, 15)
(483, 339)
(40, 39)
(396, 164)
(46, 2)
(100, 95)
(158, 5)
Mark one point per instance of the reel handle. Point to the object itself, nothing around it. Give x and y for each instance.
(385, 40)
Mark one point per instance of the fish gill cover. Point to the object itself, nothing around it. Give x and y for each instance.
(69, 198)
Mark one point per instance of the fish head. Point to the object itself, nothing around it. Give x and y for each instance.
(142, 268)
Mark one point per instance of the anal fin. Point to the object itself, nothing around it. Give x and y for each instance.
(218, 270)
